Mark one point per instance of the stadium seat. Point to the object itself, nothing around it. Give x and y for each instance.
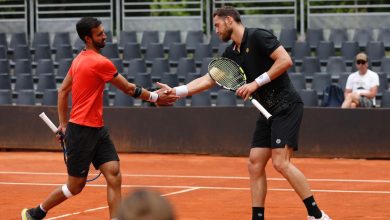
(170, 79)
(375, 51)
(4, 66)
(202, 99)
(17, 39)
(3, 40)
(384, 36)
(180, 103)
(144, 80)
(349, 50)
(46, 81)
(191, 76)
(202, 50)
(5, 97)
(298, 81)
(22, 67)
(108, 36)
(3, 52)
(310, 65)
(222, 47)
(21, 52)
(299, 51)
(385, 65)
(204, 65)
(78, 45)
(61, 38)
(320, 82)
(136, 66)
(176, 51)
(314, 37)
(154, 50)
(193, 39)
(126, 37)
(110, 50)
(342, 81)
(159, 66)
(309, 97)
(185, 67)
(226, 98)
(63, 68)
(106, 98)
(42, 51)
(149, 37)
(118, 64)
(385, 101)
(215, 41)
(44, 66)
(336, 66)
(383, 83)
(26, 97)
(288, 37)
(131, 51)
(63, 52)
(171, 37)
(40, 38)
(23, 82)
(5, 81)
(325, 49)
(123, 100)
(50, 97)
(362, 36)
(338, 36)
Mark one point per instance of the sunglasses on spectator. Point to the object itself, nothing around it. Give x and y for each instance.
(358, 62)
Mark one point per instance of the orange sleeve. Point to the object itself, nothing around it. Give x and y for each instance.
(106, 70)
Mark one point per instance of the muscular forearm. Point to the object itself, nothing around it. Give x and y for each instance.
(200, 84)
(280, 66)
(63, 108)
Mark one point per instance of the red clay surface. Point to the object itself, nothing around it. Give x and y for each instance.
(200, 187)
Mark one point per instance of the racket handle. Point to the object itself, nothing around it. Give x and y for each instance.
(48, 122)
(261, 108)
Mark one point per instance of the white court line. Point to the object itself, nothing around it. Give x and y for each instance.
(208, 177)
(104, 207)
(203, 187)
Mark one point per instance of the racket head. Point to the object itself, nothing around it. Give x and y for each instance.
(226, 73)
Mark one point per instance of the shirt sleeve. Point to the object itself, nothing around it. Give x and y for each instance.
(107, 70)
(375, 81)
(348, 85)
(266, 41)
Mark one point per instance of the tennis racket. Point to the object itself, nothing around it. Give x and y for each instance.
(229, 75)
(93, 173)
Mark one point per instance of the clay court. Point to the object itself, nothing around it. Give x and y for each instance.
(200, 187)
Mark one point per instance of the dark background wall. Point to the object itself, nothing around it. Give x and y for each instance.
(325, 132)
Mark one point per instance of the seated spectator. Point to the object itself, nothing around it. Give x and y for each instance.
(145, 205)
(361, 86)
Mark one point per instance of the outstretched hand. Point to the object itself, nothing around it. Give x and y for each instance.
(166, 96)
(246, 90)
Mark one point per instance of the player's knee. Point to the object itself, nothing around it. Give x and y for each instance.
(114, 178)
(280, 165)
(75, 188)
(255, 167)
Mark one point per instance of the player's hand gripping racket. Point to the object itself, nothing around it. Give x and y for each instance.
(229, 75)
(93, 174)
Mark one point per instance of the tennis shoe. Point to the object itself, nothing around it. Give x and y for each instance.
(324, 217)
(26, 215)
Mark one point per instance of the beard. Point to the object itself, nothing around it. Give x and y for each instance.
(99, 45)
(226, 36)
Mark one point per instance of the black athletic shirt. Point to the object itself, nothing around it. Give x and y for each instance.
(254, 57)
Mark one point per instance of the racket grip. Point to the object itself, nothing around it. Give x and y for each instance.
(48, 122)
(261, 108)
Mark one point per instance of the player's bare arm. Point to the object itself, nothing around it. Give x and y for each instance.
(131, 89)
(63, 94)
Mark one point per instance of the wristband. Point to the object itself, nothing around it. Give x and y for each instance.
(153, 97)
(263, 79)
(137, 91)
(181, 91)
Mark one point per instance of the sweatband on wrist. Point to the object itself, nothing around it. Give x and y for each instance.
(263, 79)
(66, 191)
(181, 91)
(153, 97)
(137, 91)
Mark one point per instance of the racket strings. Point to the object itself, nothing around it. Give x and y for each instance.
(226, 73)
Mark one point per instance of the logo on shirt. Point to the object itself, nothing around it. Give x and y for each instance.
(247, 50)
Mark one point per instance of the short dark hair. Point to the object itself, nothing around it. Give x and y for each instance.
(225, 11)
(85, 25)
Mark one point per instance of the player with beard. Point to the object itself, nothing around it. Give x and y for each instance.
(86, 138)
(265, 62)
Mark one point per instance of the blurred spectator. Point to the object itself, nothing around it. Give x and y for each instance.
(145, 205)
(362, 85)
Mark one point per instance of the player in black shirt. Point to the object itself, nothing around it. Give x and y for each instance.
(264, 61)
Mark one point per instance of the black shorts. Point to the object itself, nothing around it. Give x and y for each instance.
(85, 145)
(282, 129)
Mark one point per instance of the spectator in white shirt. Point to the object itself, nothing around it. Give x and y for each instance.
(362, 85)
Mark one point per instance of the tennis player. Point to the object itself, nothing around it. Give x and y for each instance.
(86, 137)
(264, 61)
